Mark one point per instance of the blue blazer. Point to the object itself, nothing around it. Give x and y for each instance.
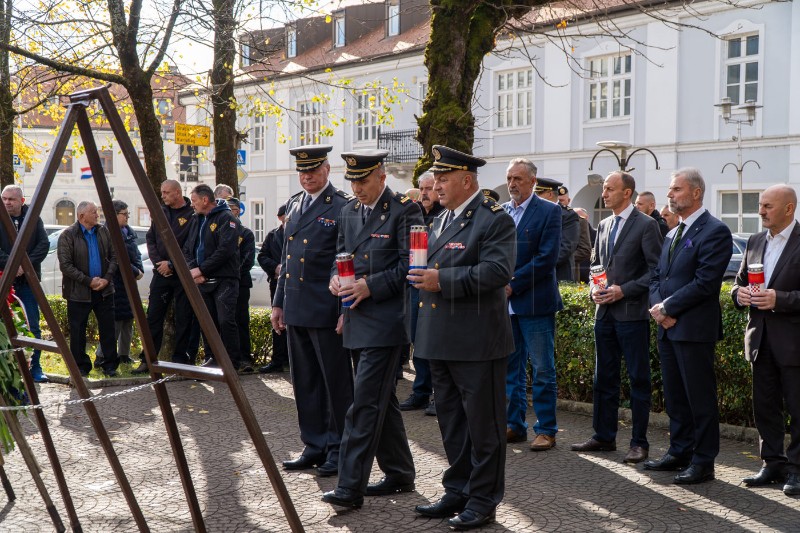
(534, 286)
(689, 285)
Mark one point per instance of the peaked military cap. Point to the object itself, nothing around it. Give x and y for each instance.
(282, 210)
(547, 184)
(490, 193)
(446, 159)
(563, 190)
(359, 163)
(310, 156)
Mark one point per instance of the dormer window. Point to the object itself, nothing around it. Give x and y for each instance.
(291, 42)
(245, 55)
(393, 19)
(338, 31)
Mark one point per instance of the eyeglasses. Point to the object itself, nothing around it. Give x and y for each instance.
(124, 213)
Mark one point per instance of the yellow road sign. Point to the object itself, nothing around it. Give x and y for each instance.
(192, 134)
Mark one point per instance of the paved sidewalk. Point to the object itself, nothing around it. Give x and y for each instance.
(558, 490)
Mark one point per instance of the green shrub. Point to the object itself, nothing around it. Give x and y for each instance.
(575, 357)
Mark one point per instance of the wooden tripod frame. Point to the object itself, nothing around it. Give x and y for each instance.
(76, 114)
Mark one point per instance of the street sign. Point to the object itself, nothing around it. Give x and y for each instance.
(17, 161)
(192, 134)
(241, 157)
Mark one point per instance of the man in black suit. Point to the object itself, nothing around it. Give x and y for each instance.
(770, 341)
(570, 228)
(646, 203)
(684, 294)
(269, 257)
(304, 308)
(376, 228)
(465, 333)
(627, 246)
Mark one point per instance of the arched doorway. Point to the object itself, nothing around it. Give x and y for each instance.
(65, 212)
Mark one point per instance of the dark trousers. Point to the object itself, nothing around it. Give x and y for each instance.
(243, 322)
(280, 350)
(614, 339)
(164, 290)
(422, 380)
(775, 387)
(471, 408)
(374, 426)
(322, 379)
(78, 316)
(221, 304)
(690, 397)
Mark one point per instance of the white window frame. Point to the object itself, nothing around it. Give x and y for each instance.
(291, 42)
(393, 19)
(514, 99)
(107, 160)
(741, 64)
(309, 123)
(366, 119)
(259, 223)
(339, 34)
(609, 87)
(246, 55)
(423, 92)
(731, 218)
(258, 133)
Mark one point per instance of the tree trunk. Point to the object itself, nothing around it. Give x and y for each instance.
(7, 114)
(223, 103)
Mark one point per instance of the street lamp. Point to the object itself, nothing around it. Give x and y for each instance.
(622, 159)
(749, 117)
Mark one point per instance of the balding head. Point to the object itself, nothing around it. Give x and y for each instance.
(776, 208)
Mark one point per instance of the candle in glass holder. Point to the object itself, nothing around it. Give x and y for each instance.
(347, 273)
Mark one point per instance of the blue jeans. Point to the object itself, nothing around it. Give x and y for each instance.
(24, 292)
(534, 338)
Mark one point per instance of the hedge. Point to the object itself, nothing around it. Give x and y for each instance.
(575, 357)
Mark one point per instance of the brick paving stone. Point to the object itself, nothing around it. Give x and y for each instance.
(556, 490)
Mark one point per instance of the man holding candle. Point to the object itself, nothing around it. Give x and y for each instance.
(770, 341)
(375, 228)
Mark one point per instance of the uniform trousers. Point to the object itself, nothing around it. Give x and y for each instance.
(221, 304)
(164, 290)
(322, 379)
(471, 408)
(373, 427)
(243, 322)
(280, 350)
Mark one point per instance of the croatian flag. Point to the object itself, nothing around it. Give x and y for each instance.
(86, 173)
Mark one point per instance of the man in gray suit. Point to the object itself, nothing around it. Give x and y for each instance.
(303, 306)
(465, 332)
(627, 246)
(375, 227)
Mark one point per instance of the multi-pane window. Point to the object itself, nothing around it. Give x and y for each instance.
(729, 211)
(310, 121)
(245, 55)
(366, 118)
(258, 220)
(66, 163)
(393, 19)
(291, 42)
(258, 133)
(338, 31)
(514, 98)
(741, 69)
(107, 160)
(610, 86)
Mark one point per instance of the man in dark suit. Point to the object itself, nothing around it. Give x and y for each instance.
(303, 307)
(547, 189)
(375, 227)
(628, 245)
(533, 302)
(247, 258)
(684, 294)
(646, 203)
(269, 257)
(465, 333)
(770, 341)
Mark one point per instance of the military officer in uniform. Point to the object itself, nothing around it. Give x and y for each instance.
(375, 227)
(464, 330)
(570, 228)
(304, 308)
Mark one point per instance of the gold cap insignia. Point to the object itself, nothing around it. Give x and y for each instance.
(302, 155)
(351, 161)
(436, 155)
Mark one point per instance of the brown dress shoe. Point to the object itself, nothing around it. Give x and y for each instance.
(513, 436)
(636, 454)
(542, 442)
(594, 445)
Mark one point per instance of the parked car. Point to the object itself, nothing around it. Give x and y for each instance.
(52, 228)
(737, 255)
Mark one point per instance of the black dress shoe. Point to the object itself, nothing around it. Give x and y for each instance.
(110, 373)
(98, 363)
(344, 498)
(210, 363)
(792, 486)
(271, 368)
(414, 402)
(470, 519)
(667, 463)
(141, 369)
(390, 485)
(244, 368)
(694, 474)
(125, 361)
(328, 469)
(594, 445)
(444, 508)
(767, 475)
(304, 462)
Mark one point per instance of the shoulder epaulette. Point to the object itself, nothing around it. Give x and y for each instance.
(344, 195)
(400, 197)
(493, 206)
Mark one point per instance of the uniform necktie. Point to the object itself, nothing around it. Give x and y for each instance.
(365, 214)
(306, 203)
(612, 238)
(676, 239)
(448, 219)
